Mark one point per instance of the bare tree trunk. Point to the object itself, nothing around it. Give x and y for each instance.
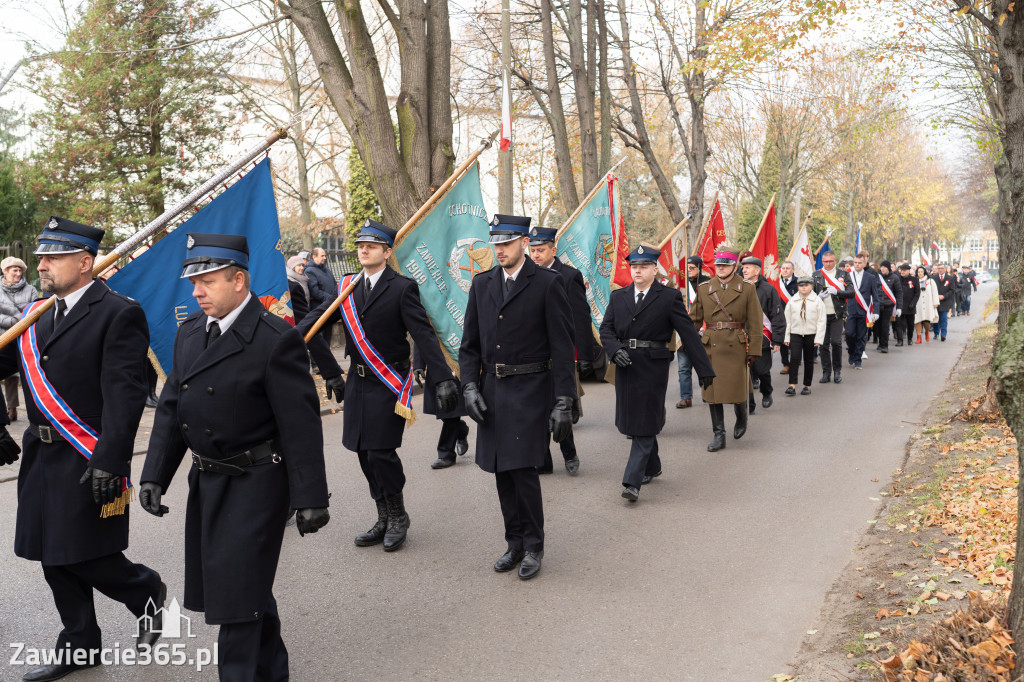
(441, 130)
(605, 112)
(556, 115)
(584, 90)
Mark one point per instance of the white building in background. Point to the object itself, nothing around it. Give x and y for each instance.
(980, 250)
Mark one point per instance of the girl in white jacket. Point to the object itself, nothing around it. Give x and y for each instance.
(927, 304)
(805, 330)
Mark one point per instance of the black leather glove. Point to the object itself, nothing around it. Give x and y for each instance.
(586, 369)
(560, 421)
(576, 411)
(335, 385)
(447, 394)
(751, 359)
(475, 405)
(149, 497)
(106, 487)
(705, 382)
(621, 358)
(420, 376)
(9, 448)
(311, 520)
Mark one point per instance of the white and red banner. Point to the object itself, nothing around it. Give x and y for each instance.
(803, 261)
(505, 139)
(766, 247)
(711, 238)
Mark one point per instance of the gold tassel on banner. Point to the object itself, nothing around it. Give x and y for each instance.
(118, 506)
(406, 413)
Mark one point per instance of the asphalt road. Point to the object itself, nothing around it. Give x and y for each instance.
(715, 574)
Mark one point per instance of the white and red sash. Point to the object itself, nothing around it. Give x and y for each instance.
(860, 298)
(780, 286)
(766, 327)
(887, 290)
(402, 388)
(837, 285)
(79, 434)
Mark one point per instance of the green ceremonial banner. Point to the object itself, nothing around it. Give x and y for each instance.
(444, 252)
(588, 244)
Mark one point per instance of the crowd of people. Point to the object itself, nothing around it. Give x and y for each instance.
(241, 400)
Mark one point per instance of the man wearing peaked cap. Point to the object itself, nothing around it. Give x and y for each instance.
(388, 309)
(636, 331)
(729, 307)
(83, 365)
(695, 276)
(543, 252)
(771, 334)
(241, 398)
(517, 368)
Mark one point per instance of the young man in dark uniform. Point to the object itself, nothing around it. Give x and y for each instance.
(517, 367)
(543, 252)
(636, 330)
(387, 307)
(241, 398)
(89, 353)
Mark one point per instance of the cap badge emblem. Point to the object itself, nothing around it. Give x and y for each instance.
(52, 225)
(640, 249)
(190, 242)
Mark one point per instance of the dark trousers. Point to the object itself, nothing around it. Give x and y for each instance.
(383, 471)
(784, 355)
(522, 508)
(114, 576)
(801, 346)
(883, 326)
(643, 460)
(856, 336)
(762, 369)
(831, 351)
(253, 650)
(452, 429)
(568, 448)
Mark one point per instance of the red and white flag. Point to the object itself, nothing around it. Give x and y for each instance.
(935, 245)
(505, 139)
(766, 247)
(711, 238)
(803, 262)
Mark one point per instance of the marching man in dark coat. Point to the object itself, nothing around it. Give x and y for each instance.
(384, 308)
(241, 398)
(636, 331)
(516, 363)
(543, 252)
(83, 365)
(729, 306)
(774, 313)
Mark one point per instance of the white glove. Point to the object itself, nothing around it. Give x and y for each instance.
(897, 313)
(831, 290)
(874, 317)
(823, 295)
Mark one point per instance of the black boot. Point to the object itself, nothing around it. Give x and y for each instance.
(375, 535)
(751, 404)
(826, 377)
(718, 424)
(837, 376)
(741, 421)
(398, 523)
(151, 399)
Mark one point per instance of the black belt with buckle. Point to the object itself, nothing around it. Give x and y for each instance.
(46, 433)
(642, 343)
(499, 370)
(232, 466)
(365, 371)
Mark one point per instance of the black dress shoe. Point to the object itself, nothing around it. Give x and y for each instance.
(442, 463)
(790, 390)
(630, 493)
(462, 444)
(838, 378)
(943, 339)
(767, 401)
(572, 466)
(150, 628)
(509, 560)
(883, 350)
(806, 390)
(53, 672)
(530, 566)
(825, 378)
(647, 479)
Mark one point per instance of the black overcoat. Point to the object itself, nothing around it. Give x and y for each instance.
(430, 382)
(945, 287)
(250, 386)
(533, 325)
(392, 311)
(579, 308)
(96, 362)
(640, 388)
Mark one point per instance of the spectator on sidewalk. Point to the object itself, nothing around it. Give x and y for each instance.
(298, 287)
(15, 294)
(927, 305)
(805, 330)
(322, 286)
(696, 276)
(904, 327)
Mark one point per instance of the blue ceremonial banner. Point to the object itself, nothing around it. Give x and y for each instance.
(444, 252)
(825, 246)
(153, 278)
(588, 244)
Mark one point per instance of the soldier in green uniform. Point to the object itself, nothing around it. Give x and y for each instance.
(728, 305)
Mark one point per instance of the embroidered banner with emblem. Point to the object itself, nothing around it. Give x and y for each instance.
(77, 433)
(402, 388)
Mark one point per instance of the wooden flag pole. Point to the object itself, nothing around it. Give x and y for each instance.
(802, 228)
(409, 225)
(127, 246)
(828, 233)
(761, 226)
(586, 200)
